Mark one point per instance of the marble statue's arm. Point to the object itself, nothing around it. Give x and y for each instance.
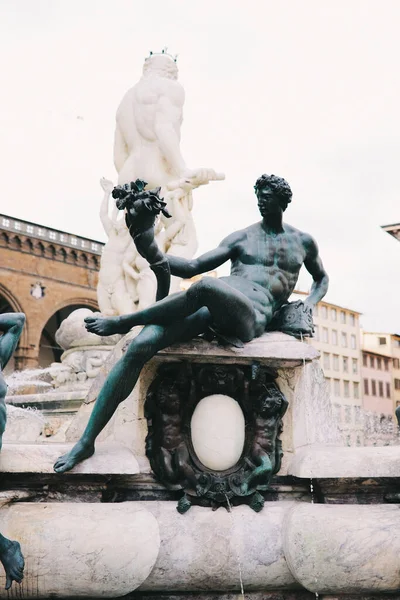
(166, 126)
(173, 226)
(130, 271)
(120, 149)
(206, 262)
(104, 217)
(314, 266)
(11, 325)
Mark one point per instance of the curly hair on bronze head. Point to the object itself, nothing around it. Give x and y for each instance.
(278, 185)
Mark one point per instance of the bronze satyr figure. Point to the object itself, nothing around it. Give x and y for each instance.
(265, 262)
(11, 325)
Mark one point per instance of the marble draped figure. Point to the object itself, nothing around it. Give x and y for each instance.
(265, 258)
(147, 146)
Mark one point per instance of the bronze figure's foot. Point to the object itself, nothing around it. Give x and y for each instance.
(79, 452)
(183, 505)
(13, 562)
(257, 502)
(102, 326)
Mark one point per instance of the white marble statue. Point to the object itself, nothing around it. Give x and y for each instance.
(112, 290)
(147, 146)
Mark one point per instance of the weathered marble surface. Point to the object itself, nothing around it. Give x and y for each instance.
(109, 459)
(108, 550)
(274, 349)
(23, 425)
(336, 461)
(343, 548)
(201, 550)
(310, 418)
(76, 550)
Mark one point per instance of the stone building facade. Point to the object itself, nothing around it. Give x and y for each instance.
(387, 345)
(44, 273)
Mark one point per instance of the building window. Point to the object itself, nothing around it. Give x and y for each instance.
(336, 387)
(346, 390)
(355, 365)
(52, 235)
(396, 363)
(380, 385)
(334, 337)
(324, 312)
(73, 241)
(336, 362)
(95, 247)
(344, 340)
(83, 244)
(29, 229)
(397, 384)
(343, 317)
(353, 341)
(366, 387)
(327, 360)
(372, 362)
(352, 320)
(333, 314)
(6, 222)
(41, 231)
(325, 335)
(328, 383)
(386, 363)
(382, 341)
(345, 364)
(379, 363)
(356, 394)
(63, 238)
(388, 390)
(316, 332)
(373, 387)
(17, 225)
(365, 360)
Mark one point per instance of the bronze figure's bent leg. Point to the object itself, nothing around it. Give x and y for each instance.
(231, 311)
(124, 375)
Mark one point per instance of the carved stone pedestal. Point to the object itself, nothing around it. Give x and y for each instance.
(219, 422)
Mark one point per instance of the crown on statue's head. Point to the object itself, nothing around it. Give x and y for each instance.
(164, 52)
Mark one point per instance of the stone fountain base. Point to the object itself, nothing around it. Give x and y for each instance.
(109, 528)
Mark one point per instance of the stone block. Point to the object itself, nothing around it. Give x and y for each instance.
(76, 550)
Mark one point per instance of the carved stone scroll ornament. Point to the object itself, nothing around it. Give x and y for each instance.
(170, 404)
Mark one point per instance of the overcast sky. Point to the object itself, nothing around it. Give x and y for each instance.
(308, 90)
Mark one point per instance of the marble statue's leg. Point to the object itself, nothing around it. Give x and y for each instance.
(104, 301)
(121, 300)
(124, 375)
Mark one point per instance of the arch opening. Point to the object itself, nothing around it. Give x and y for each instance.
(49, 350)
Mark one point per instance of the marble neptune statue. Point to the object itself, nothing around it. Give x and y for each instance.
(147, 147)
(265, 258)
